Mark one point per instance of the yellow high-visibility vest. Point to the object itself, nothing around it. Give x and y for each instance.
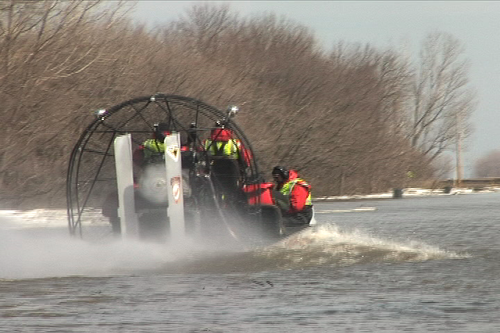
(287, 189)
(153, 147)
(229, 149)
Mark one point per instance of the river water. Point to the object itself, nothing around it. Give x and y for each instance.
(426, 264)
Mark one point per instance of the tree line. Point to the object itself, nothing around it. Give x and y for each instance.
(353, 119)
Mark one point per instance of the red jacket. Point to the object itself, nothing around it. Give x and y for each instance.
(299, 194)
(224, 134)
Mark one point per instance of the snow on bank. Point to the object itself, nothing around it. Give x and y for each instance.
(408, 192)
(45, 218)
(57, 218)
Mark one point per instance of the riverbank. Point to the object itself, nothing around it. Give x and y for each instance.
(407, 192)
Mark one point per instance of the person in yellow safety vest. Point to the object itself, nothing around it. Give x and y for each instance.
(152, 150)
(293, 195)
(222, 144)
(228, 161)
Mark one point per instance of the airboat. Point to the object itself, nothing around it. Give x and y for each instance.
(183, 197)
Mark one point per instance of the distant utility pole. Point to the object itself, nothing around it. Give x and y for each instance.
(459, 162)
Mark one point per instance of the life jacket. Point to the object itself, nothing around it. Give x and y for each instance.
(293, 181)
(228, 149)
(153, 150)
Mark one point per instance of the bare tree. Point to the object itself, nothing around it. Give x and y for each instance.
(340, 118)
(205, 25)
(443, 166)
(441, 100)
(45, 46)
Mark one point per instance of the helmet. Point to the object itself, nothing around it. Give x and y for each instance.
(221, 134)
(282, 171)
(161, 130)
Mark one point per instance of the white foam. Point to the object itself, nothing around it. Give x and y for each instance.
(31, 248)
(328, 237)
(28, 249)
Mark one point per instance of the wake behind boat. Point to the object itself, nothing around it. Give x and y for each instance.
(154, 168)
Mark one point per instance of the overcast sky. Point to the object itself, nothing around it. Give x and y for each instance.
(392, 24)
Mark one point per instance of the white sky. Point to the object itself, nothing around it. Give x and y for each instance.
(392, 24)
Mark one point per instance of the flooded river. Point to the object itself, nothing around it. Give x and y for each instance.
(425, 264)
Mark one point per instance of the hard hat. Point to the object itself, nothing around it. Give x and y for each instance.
(282, 171)
(161, 130)
(221, 134)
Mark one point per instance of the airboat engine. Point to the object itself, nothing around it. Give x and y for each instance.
(160, 185)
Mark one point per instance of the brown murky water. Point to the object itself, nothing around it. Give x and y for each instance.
(410, 265)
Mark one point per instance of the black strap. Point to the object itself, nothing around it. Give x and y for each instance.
(219, 151)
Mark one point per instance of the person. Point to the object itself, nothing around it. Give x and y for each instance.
(223, 144)
(292, 194)
(149, 158)
(152, 150)
(228, 161)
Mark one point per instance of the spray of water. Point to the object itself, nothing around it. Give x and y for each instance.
(36, 244)
(36, 255)
(328, 244)
(37, 252)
